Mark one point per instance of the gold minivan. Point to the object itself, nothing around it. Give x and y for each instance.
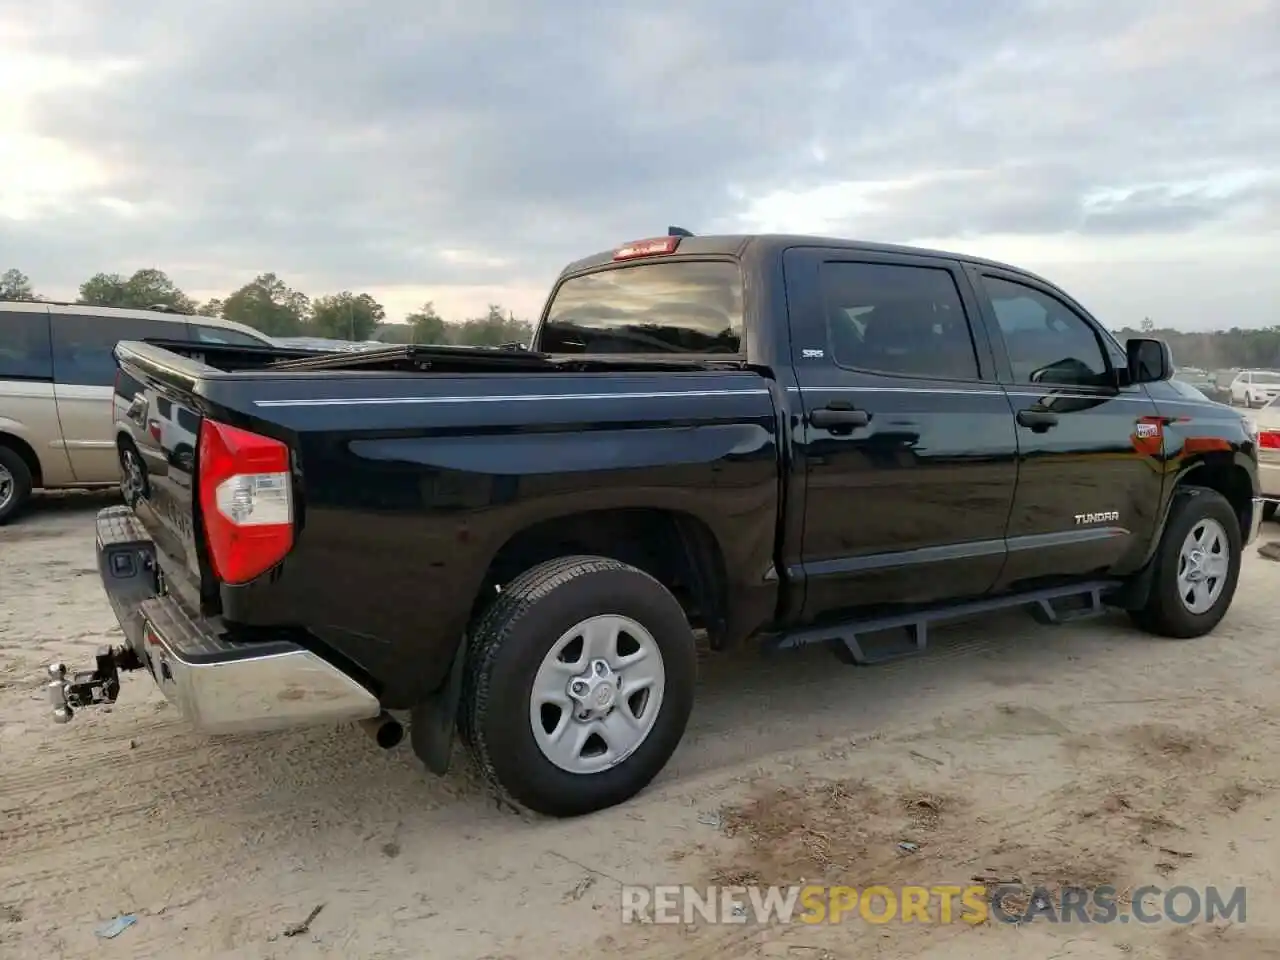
(56, 378)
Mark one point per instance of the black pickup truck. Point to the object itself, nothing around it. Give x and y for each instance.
(786, 439)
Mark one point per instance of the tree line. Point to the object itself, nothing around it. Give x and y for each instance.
(268, 304)
(1237, 348)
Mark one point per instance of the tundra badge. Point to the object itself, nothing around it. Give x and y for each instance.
(1097, 517)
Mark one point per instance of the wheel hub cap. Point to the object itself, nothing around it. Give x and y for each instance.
(594, 692)
(597, 694)
(1203, 565)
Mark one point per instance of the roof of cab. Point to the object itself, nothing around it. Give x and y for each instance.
(736, 245)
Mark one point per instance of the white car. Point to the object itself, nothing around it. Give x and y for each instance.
(1255, 388)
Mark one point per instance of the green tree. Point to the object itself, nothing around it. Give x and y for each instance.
(146, 288)
(427, 325)
(394, 333)
(346, 316)
(494, 329)
(268, 304)
(210, 308)
(1216, 349)
(16, 285)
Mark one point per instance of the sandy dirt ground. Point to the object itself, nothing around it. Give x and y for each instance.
(1087, 754)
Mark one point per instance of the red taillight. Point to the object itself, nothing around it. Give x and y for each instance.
(245, 499)
(647, 248)
(1269, 439)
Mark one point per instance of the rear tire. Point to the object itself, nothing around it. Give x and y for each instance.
(1201, 538)
(1269, 509)
(15, 484)
(544, 637)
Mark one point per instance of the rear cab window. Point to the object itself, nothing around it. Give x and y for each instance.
(673, 307)
(25, 353)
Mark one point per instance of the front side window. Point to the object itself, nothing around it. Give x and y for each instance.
(83, 344)
(1047, 341)
(679, 308)
(902, 320)
(24, 345)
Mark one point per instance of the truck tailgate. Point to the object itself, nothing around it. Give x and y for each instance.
(158, 430)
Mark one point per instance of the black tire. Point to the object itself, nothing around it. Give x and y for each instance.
(506, 650)
(1269, 509)
(16, 468)
(1165, 613)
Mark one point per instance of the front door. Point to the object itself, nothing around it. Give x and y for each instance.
(908, 440)
(1089, 451)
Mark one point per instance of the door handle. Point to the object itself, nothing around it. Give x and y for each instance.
(1037, 420)
(839, 417)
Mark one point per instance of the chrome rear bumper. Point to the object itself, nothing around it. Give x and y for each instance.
(222, 687)
(219, 685)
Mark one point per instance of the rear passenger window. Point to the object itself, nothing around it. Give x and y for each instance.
(24, 345)
(898, 319)
(82, 344)
(1047, 341)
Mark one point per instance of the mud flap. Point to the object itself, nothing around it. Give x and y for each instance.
(432, 722)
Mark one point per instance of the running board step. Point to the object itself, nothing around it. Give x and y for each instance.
(851, 642)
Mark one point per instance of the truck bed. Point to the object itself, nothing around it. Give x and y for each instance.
(412, 468)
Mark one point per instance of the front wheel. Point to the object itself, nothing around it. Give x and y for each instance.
(1197, 565)
(15, 484)
(579, 685)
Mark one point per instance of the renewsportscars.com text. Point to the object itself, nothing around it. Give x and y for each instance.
(938, 904)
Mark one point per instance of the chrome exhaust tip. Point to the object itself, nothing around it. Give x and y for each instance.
(385, 730)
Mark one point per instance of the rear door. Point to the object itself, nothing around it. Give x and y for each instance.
(908, 439)
(1090, 466)
(84, 374)
(28, 410)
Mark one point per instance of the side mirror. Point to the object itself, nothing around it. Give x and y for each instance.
(1149, 360)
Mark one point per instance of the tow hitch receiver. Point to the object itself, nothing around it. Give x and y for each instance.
(89, 688)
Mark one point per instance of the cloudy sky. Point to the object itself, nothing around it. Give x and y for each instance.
(461, 152)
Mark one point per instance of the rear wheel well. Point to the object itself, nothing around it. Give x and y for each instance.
(1231, 481)
(676, 549)
(28, 455)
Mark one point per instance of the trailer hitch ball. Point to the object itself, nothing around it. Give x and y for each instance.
(57, 691)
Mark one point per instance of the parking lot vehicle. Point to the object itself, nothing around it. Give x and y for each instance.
(1255, 388)
(1206, 384)
(788, 439)
(1268, 423)
(56, 375)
